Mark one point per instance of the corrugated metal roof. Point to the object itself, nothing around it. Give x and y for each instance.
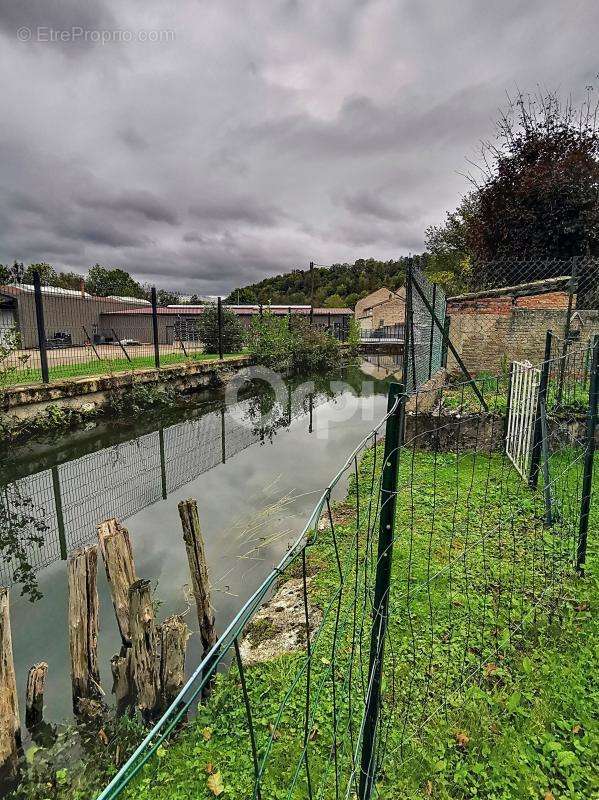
(189, 311)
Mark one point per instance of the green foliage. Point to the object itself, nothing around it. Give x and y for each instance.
(12, 360)
(104, 282)
(233, 332)
(77, 761)
(21, 525)
(140, 397)
(519, 728)
(166, 298)
(289, 344)
(354, 337)
(337, 285)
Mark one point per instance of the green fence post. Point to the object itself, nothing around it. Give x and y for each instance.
(219, 309)
(41, 328)
(537, 440)
(393, 435)
(155, 327)
(587, 480)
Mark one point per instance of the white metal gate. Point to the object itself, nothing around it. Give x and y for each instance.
(524, 392)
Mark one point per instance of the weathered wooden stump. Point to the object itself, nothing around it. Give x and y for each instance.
(143, 657)
(10, 730)
(115, 546)
(174, 634)
(196, 556)
(34, 696)
(121, 681)
(83, 627)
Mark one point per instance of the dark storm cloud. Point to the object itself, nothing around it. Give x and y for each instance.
(59, 15)
(369, 204)
(265, 133)
(236, 209)
(141, 204)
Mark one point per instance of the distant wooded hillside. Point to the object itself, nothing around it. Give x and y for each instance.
(337, 285)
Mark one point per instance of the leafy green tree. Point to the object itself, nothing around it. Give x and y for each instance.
(233, 333)
(166, 298)
(334, 301)
(13, 273)
(47, 274)
(104, 282)
(70, 280)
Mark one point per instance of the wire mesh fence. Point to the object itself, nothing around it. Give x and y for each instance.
(49, 333)
(579, 275)
(426, 337)
(423, 576)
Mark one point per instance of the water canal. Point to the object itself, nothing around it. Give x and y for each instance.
(256, 479)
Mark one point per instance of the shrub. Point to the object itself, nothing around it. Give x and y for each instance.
(233, 333)
(290, 344)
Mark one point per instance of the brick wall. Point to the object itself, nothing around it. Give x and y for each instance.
(489, 332)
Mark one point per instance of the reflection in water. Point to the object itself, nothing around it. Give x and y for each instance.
(46, 515)
(255, 482)
(383, 366)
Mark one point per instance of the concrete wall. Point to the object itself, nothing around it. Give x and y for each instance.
(489, 332)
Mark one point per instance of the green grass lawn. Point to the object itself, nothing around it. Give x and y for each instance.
(100, 367)
(490, 673)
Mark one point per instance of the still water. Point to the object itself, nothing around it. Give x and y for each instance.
(256, 479)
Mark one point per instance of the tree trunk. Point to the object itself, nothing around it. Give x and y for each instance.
(115, 546)
(144, 640)
(34, 696)
(10, 731)
(174, 634)
(196, 555)
(83, 627)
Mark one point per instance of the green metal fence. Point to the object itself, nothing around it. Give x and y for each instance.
(425, 572)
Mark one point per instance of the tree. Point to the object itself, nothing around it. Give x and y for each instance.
(104, 282)
(334, 301)
(166, 298)
(12, 274)
(233, 333)
(46, 272)
(70, 280)
(536, 194)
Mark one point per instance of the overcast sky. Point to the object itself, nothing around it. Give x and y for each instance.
(255, 135)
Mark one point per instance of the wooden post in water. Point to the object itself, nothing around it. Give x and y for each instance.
(10, 731)
(115, 546)
(83, 628)
(196, 555)
(34, 696)
(143, 657)
(121, 681)
(174, 634)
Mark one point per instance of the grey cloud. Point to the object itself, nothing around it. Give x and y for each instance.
(267, 135)
(141, 203)
(243, 209)
(369, 204)
(60, 15)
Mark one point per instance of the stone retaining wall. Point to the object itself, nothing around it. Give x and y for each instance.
(91, 394)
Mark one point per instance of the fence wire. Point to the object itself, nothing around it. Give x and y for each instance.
(476, 574)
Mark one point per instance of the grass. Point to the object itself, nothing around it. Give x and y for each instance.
(489, 688)
(490, 678)
(100, 367)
